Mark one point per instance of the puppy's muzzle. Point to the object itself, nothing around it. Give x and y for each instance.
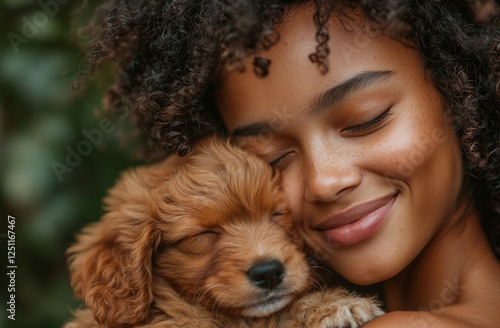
(266, 274)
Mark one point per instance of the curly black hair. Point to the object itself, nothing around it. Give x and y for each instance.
(169, 54)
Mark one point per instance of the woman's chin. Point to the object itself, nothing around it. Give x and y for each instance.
(372, 271)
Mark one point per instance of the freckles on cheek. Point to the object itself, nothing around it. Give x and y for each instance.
(410, 153)
(390, 158)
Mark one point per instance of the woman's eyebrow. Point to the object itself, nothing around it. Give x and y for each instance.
(335, 94)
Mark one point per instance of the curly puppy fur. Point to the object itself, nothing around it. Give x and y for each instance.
(201, 241)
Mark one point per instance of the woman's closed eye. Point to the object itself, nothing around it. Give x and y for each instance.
(280, 161)
(366, 126)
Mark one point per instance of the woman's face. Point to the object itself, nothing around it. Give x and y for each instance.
(370, 163)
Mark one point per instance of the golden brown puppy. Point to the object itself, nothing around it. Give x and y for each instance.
(201, 241)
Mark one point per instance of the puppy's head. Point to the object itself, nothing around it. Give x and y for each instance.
(230, 243)
(215, 229)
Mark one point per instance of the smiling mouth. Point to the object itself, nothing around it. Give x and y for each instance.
(357, 223)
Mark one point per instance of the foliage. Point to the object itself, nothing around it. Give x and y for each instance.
(42, 121)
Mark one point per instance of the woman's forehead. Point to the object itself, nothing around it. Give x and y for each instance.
(295, 80)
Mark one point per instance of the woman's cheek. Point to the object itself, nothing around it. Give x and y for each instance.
(415, 155)
(403, 147)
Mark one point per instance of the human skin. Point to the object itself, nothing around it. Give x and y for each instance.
(380, 159)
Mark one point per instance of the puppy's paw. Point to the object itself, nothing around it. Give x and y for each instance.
(336, 309)
(353, 313)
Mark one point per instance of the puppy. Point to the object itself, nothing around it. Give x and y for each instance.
(202, 241)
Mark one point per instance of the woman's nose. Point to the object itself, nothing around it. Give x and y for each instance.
(327, 176)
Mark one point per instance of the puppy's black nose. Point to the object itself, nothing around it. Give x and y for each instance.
(267, 275)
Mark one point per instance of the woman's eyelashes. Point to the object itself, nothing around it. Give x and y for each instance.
(279, 162)
(365, 127)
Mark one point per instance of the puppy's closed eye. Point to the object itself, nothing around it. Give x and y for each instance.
(282, 217)
(280, 211)
(198, 244)
(277, 215)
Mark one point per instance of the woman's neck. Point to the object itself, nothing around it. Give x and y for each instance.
(446, 269)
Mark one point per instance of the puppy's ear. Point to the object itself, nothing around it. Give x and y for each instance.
(111, 263)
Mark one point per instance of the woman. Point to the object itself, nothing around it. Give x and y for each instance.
(382, 117)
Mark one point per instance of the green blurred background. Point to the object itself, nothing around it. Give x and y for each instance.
(41, 122)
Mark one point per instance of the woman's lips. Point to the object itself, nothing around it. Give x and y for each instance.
(357, 223)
